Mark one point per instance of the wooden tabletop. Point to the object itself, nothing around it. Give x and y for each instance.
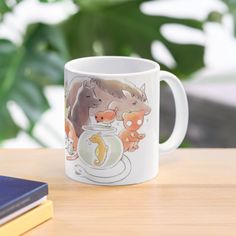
(194, 194)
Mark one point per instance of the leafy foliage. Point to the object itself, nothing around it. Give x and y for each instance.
(5, 7)
(102, 27)
(24, 73)
(232, 10)
(122, 29)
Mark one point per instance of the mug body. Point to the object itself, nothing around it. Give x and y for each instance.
(111, 120)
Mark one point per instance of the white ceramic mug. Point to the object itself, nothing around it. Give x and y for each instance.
(112, 119)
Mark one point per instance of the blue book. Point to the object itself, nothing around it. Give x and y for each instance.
(16, 194)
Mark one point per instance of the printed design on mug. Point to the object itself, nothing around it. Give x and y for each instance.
(101, 149)
(102, 123)
(130, 136)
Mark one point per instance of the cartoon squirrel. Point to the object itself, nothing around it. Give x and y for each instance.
(70, 133)
(106, 117)
(85, 100)
(101, 149)
(129, 136)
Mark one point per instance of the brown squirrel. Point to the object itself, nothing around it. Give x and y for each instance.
(85, 99)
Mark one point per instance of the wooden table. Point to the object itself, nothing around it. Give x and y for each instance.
(194, 194)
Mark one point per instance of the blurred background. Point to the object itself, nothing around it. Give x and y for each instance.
(193, 39)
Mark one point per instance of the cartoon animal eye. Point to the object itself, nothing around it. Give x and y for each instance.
(139, 122)
(88, 96)
(129, 123)
(102, 117)
(134, 103)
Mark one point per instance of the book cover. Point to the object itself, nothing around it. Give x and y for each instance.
(28, 221)
(17, 193)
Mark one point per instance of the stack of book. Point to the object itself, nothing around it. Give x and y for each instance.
(23, 205)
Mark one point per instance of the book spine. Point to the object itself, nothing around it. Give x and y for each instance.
(27, 221)
(25, 200)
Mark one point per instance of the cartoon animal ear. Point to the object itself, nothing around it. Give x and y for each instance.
(142, 112)
(92, 83)
(85, 84)
(127, 93)
(124, 115)
(88, 84)
(93, 80)
(143, 87)
(113, 105)
(143, 93)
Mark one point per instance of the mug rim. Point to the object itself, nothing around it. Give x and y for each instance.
(70, 67)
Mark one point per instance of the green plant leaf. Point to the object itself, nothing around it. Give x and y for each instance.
(6, 6)
(98, 4)
(102, 27)
(232, 10)
(121, 28)
(50, 1)
(8, 128)
(25, 70)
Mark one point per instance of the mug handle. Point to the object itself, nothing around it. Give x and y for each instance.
(181, 111)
